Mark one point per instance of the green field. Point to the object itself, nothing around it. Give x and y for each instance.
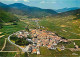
(54, 53)
(10, 47)
(77, 42)
(63, 26)
(1, 42)
(9, 29)
(7, 54)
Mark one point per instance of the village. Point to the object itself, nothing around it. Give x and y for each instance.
(41, 38)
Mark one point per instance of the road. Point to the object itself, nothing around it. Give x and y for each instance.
(23, 49)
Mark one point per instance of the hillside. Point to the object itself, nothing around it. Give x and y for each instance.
(75, 13)
(3, 5)
(21, 9)
(32, 11)
(6, 17)
(65, 24)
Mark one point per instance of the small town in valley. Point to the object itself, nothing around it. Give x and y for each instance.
(39, 38)
(39, 28)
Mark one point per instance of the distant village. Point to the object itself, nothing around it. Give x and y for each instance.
(41, 38)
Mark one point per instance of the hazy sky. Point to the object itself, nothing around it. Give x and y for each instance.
(47, 4)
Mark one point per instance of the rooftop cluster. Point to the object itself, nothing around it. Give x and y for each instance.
(41, 38)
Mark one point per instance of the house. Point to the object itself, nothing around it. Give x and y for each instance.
(53, 47)
(30, 40)
(76, 46)
(38, 52)
(34, 51)
(49, 46)
(62, 48)
(35, 40)
(29, 49)
(54, 43)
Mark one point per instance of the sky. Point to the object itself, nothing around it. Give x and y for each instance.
(46, 4)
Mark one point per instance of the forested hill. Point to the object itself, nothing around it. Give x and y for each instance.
(31, 12)
(7, 17)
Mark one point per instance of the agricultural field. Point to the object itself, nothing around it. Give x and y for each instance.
(60, 30)
(7, 54)
(77, 42)
(53, 25)
(63, 26)
(1, 42)
(55, 53)
(39, 28)
(10, 47)
(70, 44)
(7, 30)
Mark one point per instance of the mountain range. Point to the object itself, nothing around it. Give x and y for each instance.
(35, 12)
(32, 12)
(7, 12)
(75, 13)
(21, 9)
(67, 9)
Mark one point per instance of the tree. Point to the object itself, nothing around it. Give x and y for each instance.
(14, 37)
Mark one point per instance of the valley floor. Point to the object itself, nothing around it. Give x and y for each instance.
(62, 29)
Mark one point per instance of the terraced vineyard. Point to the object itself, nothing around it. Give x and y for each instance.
(63, 26)
(6, 31)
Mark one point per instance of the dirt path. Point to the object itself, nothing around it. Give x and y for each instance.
(23, 49)
(2, 36)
